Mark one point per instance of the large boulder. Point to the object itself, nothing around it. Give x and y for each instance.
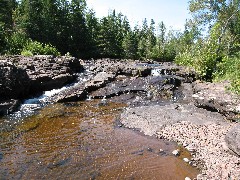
(215, 97)
(232, 139)
(14, 81)
(47, 72)
(98, 81)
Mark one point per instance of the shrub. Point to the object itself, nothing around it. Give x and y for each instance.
(229, 69)
(37, 48)
(16, 42)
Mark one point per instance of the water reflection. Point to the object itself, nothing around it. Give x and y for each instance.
(79, 141)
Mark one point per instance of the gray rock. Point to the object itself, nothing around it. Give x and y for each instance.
(152, 85)
(74, 93)
(8, 106)
(151, 119)
(232, 139)
(99, 80)
(176, 152)
(47, 72)
(215, 97)
(14, 81)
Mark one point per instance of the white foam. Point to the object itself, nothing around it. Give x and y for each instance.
(156, 72)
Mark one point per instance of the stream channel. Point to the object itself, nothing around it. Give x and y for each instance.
(83, 140)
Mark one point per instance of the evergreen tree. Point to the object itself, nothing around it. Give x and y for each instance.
(93, 28)
(6, 20)
(78, 42)
(151, 39)
(130, 45)
(142, 44)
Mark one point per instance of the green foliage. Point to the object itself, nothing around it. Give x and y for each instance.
(16, 42)
(229, 69)
(26, 53)
(203, 55)
(37, 48)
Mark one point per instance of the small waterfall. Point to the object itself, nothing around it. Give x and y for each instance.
(160, 72)
(156, 72)
(30, 106)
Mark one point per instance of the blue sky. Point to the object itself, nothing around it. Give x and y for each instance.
(172, 12)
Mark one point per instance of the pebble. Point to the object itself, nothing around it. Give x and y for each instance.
(187, 178)
(206, 144)
(186, 160)
(176, 152)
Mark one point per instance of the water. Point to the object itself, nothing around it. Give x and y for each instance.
(31, 106)
(83, 141)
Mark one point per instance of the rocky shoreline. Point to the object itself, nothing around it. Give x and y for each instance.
(22, 77)
(163, 99)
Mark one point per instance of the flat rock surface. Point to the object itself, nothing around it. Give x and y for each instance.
(150, 119)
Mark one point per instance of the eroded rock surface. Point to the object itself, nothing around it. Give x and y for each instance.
(14, 81)
(21, 77)
(215, 97)
(150, 119)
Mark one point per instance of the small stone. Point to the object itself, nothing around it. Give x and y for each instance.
(186, 160)
(187, 178)
(176, 152)
(160, 150)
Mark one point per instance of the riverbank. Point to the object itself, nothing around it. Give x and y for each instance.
(164, 100)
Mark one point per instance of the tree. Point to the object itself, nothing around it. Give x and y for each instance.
(6, 20)
(78, 42)
(142, 44)
(130, 45)
(93, 27)
(159, 48)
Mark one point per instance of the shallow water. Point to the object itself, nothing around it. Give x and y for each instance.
(83, 141)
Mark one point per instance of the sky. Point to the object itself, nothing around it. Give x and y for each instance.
(172, 12)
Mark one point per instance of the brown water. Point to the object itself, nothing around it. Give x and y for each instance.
(81, 141)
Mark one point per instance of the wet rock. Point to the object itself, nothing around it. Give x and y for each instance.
(186, 160)
(215, 97)
(1, 156)
(75, 93)
(233, 139)
(152, 86)
(124, 67)
(167, 68)
(138, 152)
(162, 153)
(8, 106)
(46, 72)
(59, 163)
(14, 81)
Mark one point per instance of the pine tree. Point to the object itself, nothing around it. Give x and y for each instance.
(78, 42)
(93, 28)
(142, 44)
(6, 20)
